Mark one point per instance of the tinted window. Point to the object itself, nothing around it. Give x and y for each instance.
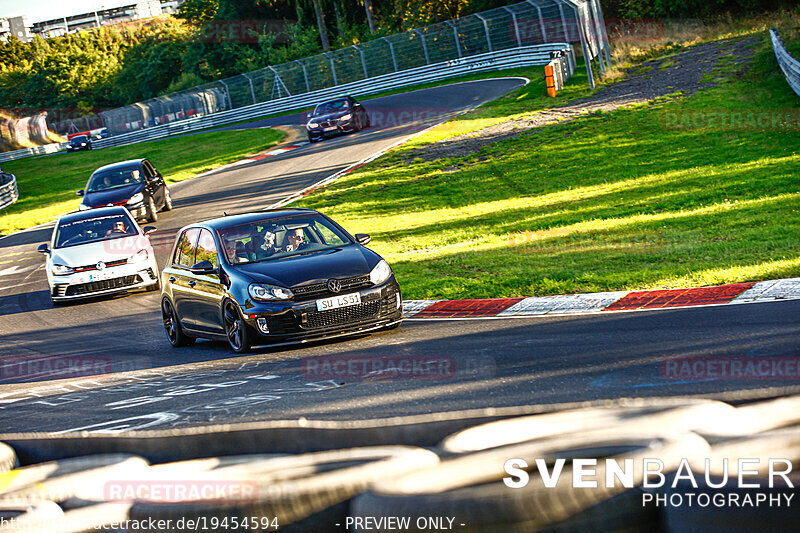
(95, 229)
(206, 248)
(278, 238)
(79, 139)
(114, 179)
(184, 253)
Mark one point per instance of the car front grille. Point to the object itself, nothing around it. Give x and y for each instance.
(104, 285)
(342, 315)
(94, 266)
(317, 290)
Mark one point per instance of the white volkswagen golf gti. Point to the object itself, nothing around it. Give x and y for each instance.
(99, 252)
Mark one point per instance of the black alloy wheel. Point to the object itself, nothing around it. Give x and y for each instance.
(177, 338)
(235, 328)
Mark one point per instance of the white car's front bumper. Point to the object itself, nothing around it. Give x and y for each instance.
(109, 280)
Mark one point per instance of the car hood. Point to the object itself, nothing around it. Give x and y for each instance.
(329, 116)
(106, 251)
(102, 198)
(316, 267)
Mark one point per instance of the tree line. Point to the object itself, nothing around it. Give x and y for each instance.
(211, 39)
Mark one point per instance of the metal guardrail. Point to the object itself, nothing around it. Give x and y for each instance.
(505, 59)
(28, 152)
(527, 23)
(789, 65)
(498, 60)
(8, 189)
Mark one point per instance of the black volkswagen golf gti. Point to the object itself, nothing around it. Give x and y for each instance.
(275, 277)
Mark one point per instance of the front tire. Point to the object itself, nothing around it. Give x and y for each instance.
(172, 326)
(152, 212)
(235, 328)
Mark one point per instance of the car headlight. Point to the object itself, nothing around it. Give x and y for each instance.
(62, 270)
(263, 292)
(312, 125)
(139, 256)
(380, 273)
(83, 207)
(346, 117)
(136, 198)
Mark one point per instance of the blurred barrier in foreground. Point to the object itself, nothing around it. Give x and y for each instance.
(8, 189)
(632, 465)
(789, 65)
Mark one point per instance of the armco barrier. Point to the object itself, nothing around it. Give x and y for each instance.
(28, 152)
(789, 65)
(8, 190)
(505, 59)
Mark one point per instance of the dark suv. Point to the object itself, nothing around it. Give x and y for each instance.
(135, 184)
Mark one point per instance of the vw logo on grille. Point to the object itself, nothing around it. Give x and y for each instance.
(100, 265)
(334, 285)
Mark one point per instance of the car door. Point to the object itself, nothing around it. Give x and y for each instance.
(180, 279)
(155, 183)
(208, 290)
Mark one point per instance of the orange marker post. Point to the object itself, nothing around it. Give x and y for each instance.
(550, 80)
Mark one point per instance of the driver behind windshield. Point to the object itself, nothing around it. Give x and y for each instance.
(118, 228)
(295, 241)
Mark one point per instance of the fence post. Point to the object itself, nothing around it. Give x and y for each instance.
(424, 46)
(564, 23)
(541, 20)
(280, 81)
(486, 29)
(227, 93)
(252, 89)
(305, 74)
(455, 35)
(363, 62)
(516, 26)
(333, 68)
(391, 49)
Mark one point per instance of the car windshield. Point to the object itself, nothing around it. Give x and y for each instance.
(77, 232)
(79, 139)
(114, 179)
(272, 239)
(333, 106)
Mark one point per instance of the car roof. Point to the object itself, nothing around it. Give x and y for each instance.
(91, 213)
(120, 165)
(244, 218)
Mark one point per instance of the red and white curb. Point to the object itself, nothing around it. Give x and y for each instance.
(575, 304)
(267, 155)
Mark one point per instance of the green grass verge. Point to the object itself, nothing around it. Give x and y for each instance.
(644, 197)
(47, 184)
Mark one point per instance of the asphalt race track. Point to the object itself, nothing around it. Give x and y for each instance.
(424, 366)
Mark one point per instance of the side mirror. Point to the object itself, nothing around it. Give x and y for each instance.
(203, 267)
(43, 249)
(363, 238)
(147, 230)
(79, 193)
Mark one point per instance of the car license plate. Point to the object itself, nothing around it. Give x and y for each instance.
(335, 302)
(330, 128)
(101, 275)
